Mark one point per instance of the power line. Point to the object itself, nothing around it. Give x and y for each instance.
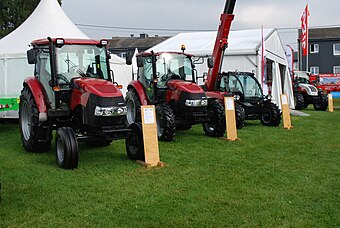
(106, 27)
(141, 28)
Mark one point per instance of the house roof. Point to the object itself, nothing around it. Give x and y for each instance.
(323, 33)
(135, 42)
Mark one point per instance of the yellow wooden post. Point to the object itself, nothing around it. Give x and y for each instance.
(149, 125)
(285, 112)
(230, 119)
(330, 103)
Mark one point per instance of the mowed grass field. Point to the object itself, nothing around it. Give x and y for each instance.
(271, 177)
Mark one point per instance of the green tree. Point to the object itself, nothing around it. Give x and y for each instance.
(14, 12)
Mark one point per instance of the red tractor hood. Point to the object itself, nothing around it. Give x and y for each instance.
(99, 87)
(180, 85)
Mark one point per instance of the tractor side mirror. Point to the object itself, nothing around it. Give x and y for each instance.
(32, 56)
(140, 61)
(210, 63)
(129, 56)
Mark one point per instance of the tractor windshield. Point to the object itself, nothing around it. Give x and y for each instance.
(173, 66)
(301, 77)
(81, 61)
(242, 84)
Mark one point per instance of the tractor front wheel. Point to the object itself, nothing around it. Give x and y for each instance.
(322, 103)
(216, 126)
(133, 106)
(29, 125)
(299, 101)
(240, 116)
(165, 122)
(67, 155)
(271, 115)
(134, 144)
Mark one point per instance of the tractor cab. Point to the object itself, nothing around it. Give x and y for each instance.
(157, 70)
(71, 59)
(242, 84)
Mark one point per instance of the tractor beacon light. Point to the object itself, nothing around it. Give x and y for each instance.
(183, 47)
(110, 111)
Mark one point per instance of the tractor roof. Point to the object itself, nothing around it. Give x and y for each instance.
(45, 41)
(160, 53)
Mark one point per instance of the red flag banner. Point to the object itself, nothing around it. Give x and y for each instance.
(304, 34)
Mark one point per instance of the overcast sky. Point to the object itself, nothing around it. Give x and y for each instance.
(194, 15)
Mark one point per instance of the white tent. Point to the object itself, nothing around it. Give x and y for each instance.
(48, 19)
(243, 54)
(121, 71)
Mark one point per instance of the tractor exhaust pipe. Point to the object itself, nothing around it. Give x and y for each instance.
(229, 7)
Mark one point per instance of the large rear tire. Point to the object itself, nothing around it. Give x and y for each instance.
(133, 106)
(240, 113)
(216, 126)
(67, 155)
(29, 125)
(134, 144)
(322, 103)
(271, 115)
(299, 101)
(165, 122)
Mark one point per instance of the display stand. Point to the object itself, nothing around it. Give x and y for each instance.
(230, 119)
(330, 103)
(149, 126)
(287, 124)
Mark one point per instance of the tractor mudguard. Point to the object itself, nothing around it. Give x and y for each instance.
(139, 88)
(38, 93)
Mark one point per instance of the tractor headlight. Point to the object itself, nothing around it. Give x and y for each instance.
(196, 103)
(110, 111)
(237, 97)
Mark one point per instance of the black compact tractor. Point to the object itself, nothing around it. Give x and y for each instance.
(72, 92)
(246, 88)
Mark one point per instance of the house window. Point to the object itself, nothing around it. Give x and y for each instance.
(314, 48)
(314, 70)
(336, 69)
(336, 49)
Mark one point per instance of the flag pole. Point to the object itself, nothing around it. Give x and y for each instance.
(307, 23)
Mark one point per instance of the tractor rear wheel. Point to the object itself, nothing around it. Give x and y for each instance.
(134, 144)
(67, 155)
(133, 106)
(271, 115)
(240, 116)
(165, 122)
(29, 125)
(322, 103)
(299, 101)
(216, 126)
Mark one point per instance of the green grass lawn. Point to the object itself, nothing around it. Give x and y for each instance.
(271, 177)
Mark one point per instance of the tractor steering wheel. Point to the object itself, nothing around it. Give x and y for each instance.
(61, 77)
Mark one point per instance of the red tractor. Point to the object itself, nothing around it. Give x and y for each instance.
(244, 86)
(72, 92)
(167, 80)
(305, 93)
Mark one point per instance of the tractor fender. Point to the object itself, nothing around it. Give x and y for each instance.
(140, 90)
(37, 90)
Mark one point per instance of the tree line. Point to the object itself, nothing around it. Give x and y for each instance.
(14, 12)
